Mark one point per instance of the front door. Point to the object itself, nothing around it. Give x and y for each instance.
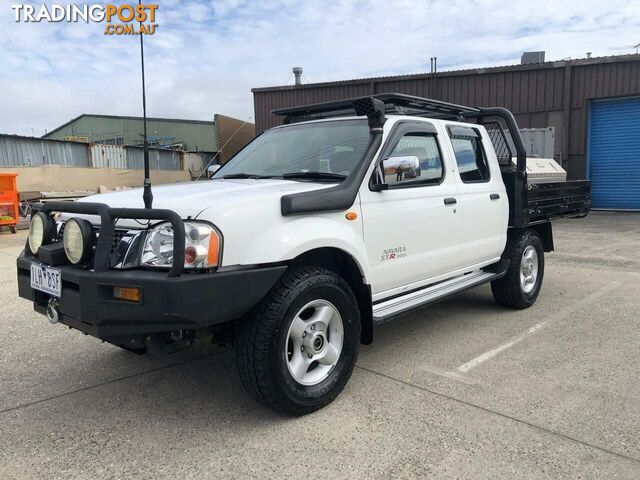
(411, 230)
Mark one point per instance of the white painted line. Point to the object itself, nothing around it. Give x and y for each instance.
(492, 353)
(458, 377)
(471, 364)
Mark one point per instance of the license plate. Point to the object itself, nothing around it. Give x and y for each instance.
(46, 279)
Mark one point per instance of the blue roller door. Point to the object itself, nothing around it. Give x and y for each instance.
(614, 154)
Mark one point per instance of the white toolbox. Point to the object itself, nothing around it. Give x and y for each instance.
(543, 170)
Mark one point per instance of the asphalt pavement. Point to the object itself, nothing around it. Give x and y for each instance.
(461, 389)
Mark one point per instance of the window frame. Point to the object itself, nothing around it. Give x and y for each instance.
(475, 133)
(401, 129)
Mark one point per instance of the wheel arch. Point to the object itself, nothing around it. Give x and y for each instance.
(347, 267)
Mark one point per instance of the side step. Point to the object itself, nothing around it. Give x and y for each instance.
(390, 308)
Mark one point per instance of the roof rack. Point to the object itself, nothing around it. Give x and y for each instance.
(401, 104)
(395, 103)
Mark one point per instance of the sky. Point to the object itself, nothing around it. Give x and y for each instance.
(206, 55)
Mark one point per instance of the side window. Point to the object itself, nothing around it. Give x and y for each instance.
(470, 156)
(414, 161)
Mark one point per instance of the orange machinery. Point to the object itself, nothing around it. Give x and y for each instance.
(9, 201)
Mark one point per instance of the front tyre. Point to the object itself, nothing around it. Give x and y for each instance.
(297, 349)
(520, 287)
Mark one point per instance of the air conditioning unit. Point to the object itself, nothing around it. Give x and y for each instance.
(532, 57)
(539, 142)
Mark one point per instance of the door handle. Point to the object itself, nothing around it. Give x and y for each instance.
(494, 196)
(450, 201)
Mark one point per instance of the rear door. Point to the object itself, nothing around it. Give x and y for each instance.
(411, 233)
(482, 201)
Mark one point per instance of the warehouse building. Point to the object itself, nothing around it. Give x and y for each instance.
(593, 105)
(204, 137)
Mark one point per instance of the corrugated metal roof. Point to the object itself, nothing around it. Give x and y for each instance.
(467, 71)
(121, 117)
(28, 137)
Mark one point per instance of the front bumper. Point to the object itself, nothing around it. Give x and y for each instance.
(190, 301)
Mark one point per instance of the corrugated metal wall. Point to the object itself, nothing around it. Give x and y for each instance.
(551, 94)
(16, 151)
(108, 156)
(25, 151)
(158, 159)
(232, 135)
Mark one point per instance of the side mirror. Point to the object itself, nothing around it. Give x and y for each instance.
(405, 162)
(394, 169)
(379, 185)
(211, 169)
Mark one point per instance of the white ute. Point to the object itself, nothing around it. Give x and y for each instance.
(348, 215)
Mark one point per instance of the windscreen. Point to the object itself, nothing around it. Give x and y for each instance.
(332, 147)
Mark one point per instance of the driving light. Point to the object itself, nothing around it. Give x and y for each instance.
(203, 244)
(78, 239)
(41, 230)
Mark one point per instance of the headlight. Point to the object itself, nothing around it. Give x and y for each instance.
(41, 230)
(78, 240)
(202, 246)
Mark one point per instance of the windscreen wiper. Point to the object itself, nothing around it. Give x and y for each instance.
(314, 176)
(247, 175)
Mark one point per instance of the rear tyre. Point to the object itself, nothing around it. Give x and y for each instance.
(296, 350)
(520, 287)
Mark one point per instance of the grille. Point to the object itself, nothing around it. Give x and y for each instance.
(117, 236)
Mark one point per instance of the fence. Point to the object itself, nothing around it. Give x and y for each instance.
(17, 151)
(26, 152)
(158, 159)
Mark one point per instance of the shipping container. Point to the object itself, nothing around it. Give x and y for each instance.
(108, 156)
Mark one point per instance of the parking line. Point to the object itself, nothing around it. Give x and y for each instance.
(480, 359)
(456, 376)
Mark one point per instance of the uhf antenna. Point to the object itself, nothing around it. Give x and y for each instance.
(147, 196)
